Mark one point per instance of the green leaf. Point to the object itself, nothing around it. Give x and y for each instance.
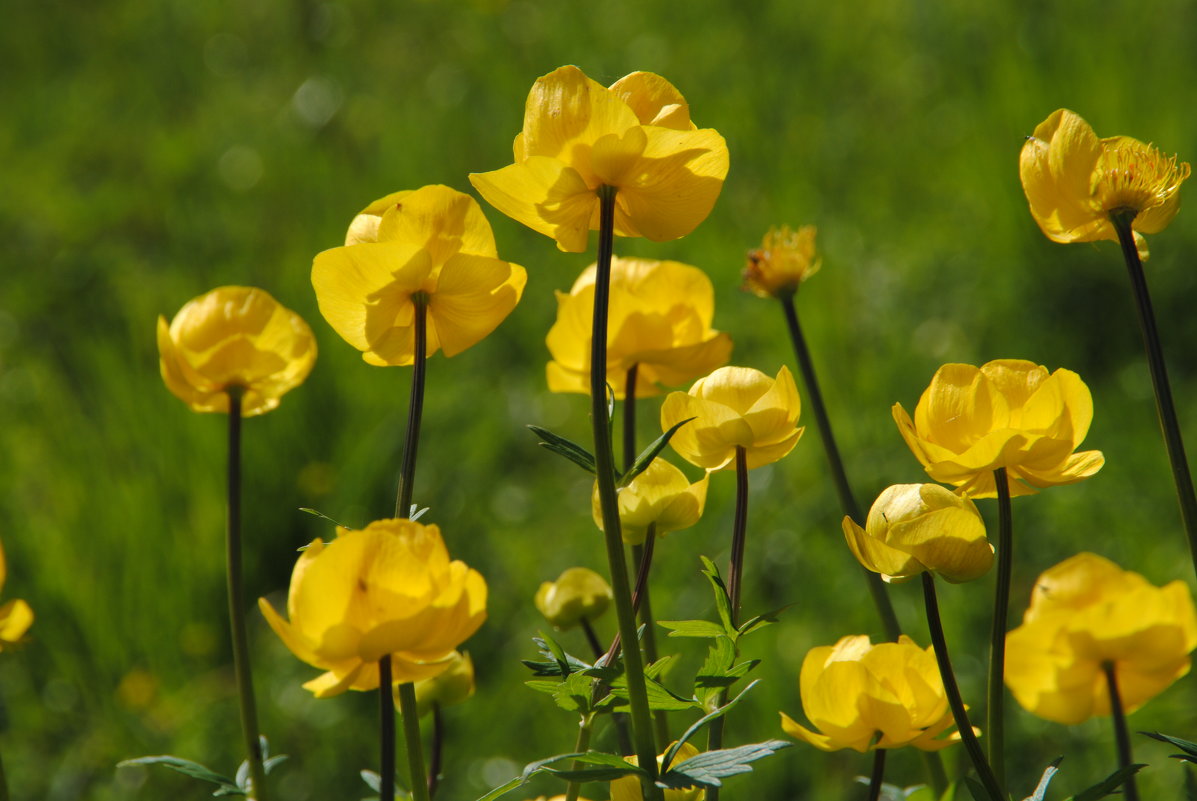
(693, 628)
(648, 454)
(760, 621)
(1109, 784)
(667, 760)
(1049, 773)
(709, 768)
(564, 447)
(562, 664)
(321, 515)
(659, 697)
(503, 789)
(976, 789)
(1190, 784)
(889, 792)
(546, 686)
(573, 694)
(1189, 748)
(722, 600)
(195, 770)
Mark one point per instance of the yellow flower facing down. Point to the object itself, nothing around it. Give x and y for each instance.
(635, 136)
(431, 246)
(659, 319)
(1007, 413)
(916, 527)
(864, 696)
(15, 616)
(784, 260)
(387, 589)
(577, 593)
(735, 407)
(452, 686)
(661, 497)
(1075, 181)
(627, 788)
(234, 337)
(1085, 612)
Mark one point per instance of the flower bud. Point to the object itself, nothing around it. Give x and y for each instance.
(577, 593)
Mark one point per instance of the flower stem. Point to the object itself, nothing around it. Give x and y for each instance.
(236, 592)
(994, 713)
(583, 743)
(3, 782)
(605, 473)
(629, 418)
(386, 724)
(438, 750)
(1121, 734)
(848, 504)
(1164, 405)
(415, 409)
(643, 556)
(959, 714)
(411, 732)
(591, 638)
(878, 776)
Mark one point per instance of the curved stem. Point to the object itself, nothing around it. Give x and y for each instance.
(437, 755)
(878, 776)
(411, 732)
(236, 592)
(386, 729)
(605, 473)
(959, 714)
(1164, 406)
(1121, 735)
(995, 720)
(848, 504)
(415, 409)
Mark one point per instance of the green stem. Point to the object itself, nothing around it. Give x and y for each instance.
(629, 418)
(437, 754)
(591, 638)
(1121, 734)
(236, 592)
(411, 732)
(605, 472)
(643, 556)
(3, 782)
(848, 504)
(995, 719)
(386, 728)
(959, 714)
(583, 743)
(1164, 405)
(415, 408)
(878, 776)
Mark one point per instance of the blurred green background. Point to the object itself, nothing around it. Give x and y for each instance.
(152, 151)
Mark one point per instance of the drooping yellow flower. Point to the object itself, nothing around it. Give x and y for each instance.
(431, 246)
(735, 407)
(864, 696)
(1086, 612)
(661, 497)
(1075, 181)
(452, 686)
(15, 616)
(627, 788)
(387, 589)
(659, 319)
(1007, 413)
(916, 527)
(635, 136)
(577, 593)
(784, 260)
(234, 337)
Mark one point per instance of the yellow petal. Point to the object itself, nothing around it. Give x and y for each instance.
(565, 108)
(15, 619)
(474, 294)
(544, 194)
(440, 220)
(654, 100)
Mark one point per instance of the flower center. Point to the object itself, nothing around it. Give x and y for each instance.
(1133, 176)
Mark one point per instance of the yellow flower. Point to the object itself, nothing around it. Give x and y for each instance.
(864, 696)
(735, 407)
(1086, 612)
(234, 337)
(387, 589)
(659, 318)
(1075, 181)
(784, 260)
(431, 246)
(1008, 413)
(577, 593)
(661, 497)
(917, 527)
(627, 788)
(15, 616)
(454, 685)
(635, 136)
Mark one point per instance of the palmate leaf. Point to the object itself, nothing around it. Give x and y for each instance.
(648, 454)
(709, 768)
(696, 727)
(225, 785)
(608, 768)
(1188, 748)
(564, 447)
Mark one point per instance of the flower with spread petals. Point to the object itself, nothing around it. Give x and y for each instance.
(15, 616)
(430, 246)
(864, 696)
(386, 590)
(784, 260)
(1087, 612)
(735, 407)
(1007, 413)
(627, 788)
(1075, 181)
(658, 320)
(234, 337)
(635, 136)
(452, 686)
(577, 593)
(661, 497)
(912, 528)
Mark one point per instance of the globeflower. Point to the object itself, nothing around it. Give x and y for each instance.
(386, 590)
(735, 407)
(635, 136)
(15, 616)
(430, 247)
(578, 593)
(661, 497)
(912, 528)
(864, 696)
(658, 321)
(784, 260)
(1075, 181)
(1007, 413)
(627, 788)
(234, 338)
(453, 685)
(1086, 613)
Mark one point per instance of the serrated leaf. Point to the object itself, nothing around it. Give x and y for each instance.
(709, 768)
(648, 454)
(546, 686)
(660, 698)
(696, 727)
(564, 447)
(573, 694)
(1049, 773)
(188, 768)
(1109, 784)
(693, 628)
(1189, 748)
(592, 774)
(722, 599)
